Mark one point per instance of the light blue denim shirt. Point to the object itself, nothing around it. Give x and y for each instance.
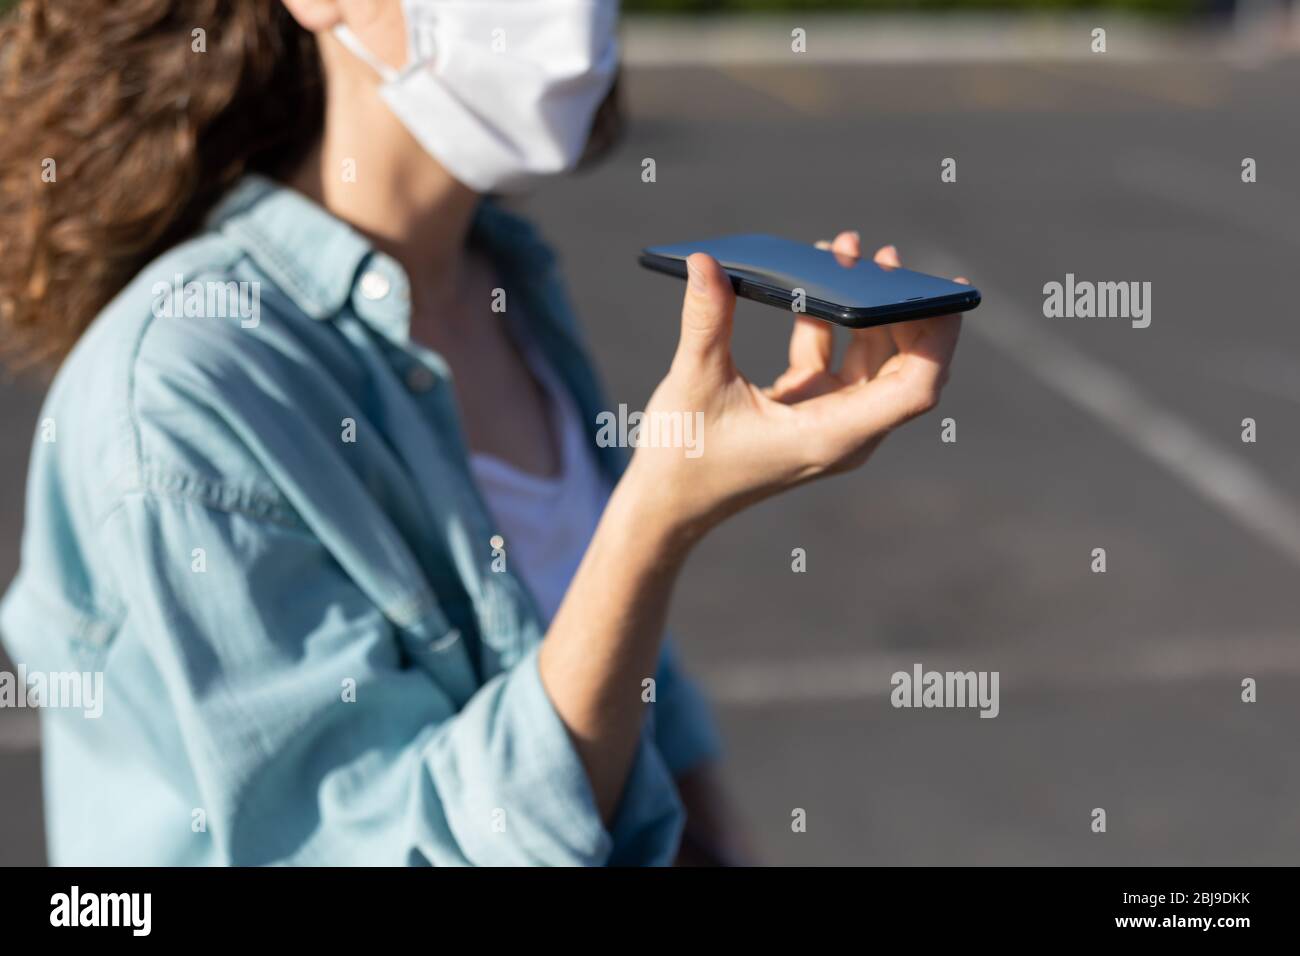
(260, 526)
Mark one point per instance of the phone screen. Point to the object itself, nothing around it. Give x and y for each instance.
(854, 285)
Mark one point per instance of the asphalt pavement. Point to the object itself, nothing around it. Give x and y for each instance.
(1119, 690)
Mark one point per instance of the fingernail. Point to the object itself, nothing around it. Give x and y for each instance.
(695, 280)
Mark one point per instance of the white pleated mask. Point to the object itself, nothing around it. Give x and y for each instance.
(500, 92)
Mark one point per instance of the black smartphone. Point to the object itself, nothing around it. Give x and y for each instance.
(797, 276)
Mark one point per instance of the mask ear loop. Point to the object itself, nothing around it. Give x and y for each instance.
(349, 40)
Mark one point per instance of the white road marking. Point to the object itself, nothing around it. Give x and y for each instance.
(1218, 475)
(1209, 469)
(845, 679)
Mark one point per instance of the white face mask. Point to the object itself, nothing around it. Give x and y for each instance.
(500, 91)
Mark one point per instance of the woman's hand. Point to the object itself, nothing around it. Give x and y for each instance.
(756, 442)
(813, 421)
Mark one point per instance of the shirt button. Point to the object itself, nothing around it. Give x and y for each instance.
(419, 379)
(375, 285)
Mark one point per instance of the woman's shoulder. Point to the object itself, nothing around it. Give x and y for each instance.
(158, 391)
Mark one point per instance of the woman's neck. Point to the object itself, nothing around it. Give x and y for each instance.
(371, 173)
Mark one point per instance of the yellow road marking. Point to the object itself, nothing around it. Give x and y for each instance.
(802, 89)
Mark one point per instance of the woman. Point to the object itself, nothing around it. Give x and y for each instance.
(350, 608)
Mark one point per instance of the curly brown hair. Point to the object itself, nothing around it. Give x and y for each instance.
(121, 124)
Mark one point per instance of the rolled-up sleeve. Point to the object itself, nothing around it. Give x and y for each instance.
(311, 736)
(509, 744)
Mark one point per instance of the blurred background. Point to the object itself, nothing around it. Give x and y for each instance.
(1119, 690)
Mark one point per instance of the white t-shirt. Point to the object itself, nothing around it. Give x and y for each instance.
(546, 523)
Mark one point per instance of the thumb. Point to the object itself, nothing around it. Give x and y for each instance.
(706, 315)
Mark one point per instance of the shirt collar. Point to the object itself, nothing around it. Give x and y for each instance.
(311, 255)
(322, 263)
